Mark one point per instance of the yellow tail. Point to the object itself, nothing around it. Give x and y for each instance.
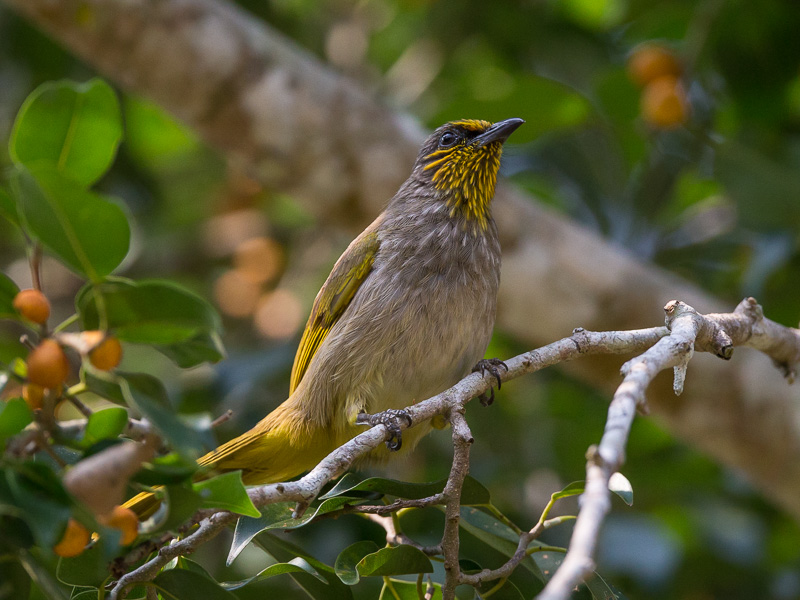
(280, 447)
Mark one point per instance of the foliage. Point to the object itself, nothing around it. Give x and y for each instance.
(713, 201)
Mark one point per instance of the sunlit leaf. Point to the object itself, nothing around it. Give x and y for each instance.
(620, 485)
(296, 565)
(84, 230)
(14, 417)
(72, 127)
(396, 589)
(104, 425)
(227, 492)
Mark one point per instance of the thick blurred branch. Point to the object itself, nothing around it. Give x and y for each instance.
(301, 128)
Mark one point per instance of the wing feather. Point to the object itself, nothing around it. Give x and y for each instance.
(345, 279)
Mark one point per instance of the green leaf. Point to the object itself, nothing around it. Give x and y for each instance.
(16, 583)
(601, 590)
(284, 551)
(182, 503)
(296, 565)
(620, 485)
(87, 232)
(279, 516)
(395, 560)
(104, 424)
(42, 577)
(181, 584)
(178, 322)
(14, 417)
(164, 470)
(8, 290)
(71, 127)
(147, 395)
(8, 208)
(508, 591)
(348, 559)
(396, 589)
(226, 491)
(37, 497)
(473, 493)
(573, 489)
(495, 534)
(90, 567)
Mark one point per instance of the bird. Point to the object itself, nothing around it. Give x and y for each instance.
(407, 311)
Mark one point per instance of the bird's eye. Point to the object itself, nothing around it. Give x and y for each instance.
(448, 139)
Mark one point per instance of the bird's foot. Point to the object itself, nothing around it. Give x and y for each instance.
(491, 366)
(391, 420)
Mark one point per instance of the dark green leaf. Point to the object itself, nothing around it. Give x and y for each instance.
(8, 290)
(600, 590)
(162, 313)
(105, 424)
(227, 492)
(90, 567)
(42, 577)
(508, 591)
(84, 230)
(279, 516)
(494, 534)
(296, 565)
(15, 583)
(38, 498)
(620, 485)
(284, 551)
(473, 492)
(8, 208)
(14, 417)
(74, 128)
(182, 503)
(181, 584)
(147, 395)
(348, 559)
(396, 589)
(200, 348)
(395, 560)
(163, 470)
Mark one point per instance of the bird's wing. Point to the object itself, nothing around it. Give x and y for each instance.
(347, 275)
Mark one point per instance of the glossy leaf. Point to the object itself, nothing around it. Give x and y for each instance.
(473, 493)
(573, 489)
(105, 424)
(8, 290)
(494, 534)
(279, 516)
(87, 232)
(14, 417)
(347, 562)
(296, 565)
(620, 485)
(365, 559)
(178, 322)
(182, 584)
(227, 492)
(163, 470)
(284, 551)
(72, 127)
(90, 567)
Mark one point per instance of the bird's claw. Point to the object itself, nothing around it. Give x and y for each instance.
(391, 420)
(491, 366)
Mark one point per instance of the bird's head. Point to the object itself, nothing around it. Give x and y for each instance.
(461, 159)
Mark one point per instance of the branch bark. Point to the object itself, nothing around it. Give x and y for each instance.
(307, 131)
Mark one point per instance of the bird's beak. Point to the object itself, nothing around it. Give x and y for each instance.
(498, 132)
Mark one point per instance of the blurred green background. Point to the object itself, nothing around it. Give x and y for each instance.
(716, 200)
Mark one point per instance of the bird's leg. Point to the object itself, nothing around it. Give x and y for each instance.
(490, 365)
(389, 419)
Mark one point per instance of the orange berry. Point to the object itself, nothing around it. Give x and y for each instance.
(75, 538)
(32, 305)
(48, 365)
(107, 354)
(651, 61)
(33, 395)
(664, 103)
(125, 520)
